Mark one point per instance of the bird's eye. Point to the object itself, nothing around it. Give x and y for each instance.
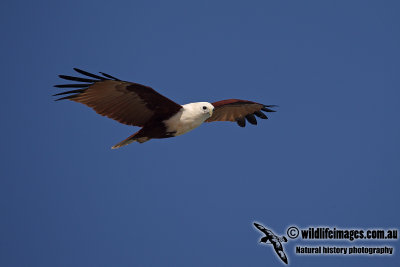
(204, 107)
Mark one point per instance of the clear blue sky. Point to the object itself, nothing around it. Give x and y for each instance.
(330, 156)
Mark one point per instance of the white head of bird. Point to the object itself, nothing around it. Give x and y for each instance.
(190, 117)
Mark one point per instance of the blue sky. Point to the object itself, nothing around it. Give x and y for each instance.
(329, 156)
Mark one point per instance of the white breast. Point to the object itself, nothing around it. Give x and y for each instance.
(187, 119)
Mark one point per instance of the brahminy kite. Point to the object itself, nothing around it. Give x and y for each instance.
(139, 105)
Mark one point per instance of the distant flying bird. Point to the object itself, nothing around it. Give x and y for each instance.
(274, 240)
(139, 105)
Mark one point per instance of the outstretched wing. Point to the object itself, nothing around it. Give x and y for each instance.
(261, 228)
(239, 111)
(127, 102)
(281, 254)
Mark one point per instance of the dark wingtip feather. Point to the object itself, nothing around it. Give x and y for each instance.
(241, 122)
(77, 79)
(71, 92)
(89, 74)
(251, 118)
(266, 108)
(261, 115)
(65, 97)
(81, 85)
(109, 76)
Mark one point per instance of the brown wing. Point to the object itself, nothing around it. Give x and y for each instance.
(239, 111)
(127, 102)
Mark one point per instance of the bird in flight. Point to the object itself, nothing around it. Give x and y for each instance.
(274, 240)
(159, 117)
